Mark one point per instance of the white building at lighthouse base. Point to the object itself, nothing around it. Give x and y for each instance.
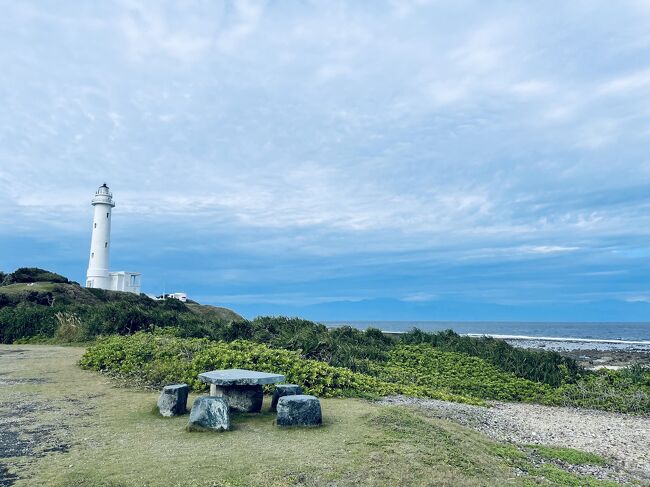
(125, 281)
(118, 281)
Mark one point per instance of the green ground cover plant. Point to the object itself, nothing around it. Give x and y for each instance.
(157, 359)
(426, 366)
(417, 370)
(567, 455)
(540, 366)
(32, 298)
(614, 390)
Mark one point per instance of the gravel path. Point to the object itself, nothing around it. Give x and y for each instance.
(624, 438)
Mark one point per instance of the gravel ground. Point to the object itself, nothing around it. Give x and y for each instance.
(31, 425)
(621, 437)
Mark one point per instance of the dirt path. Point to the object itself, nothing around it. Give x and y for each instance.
(38, 416)
(624, 438)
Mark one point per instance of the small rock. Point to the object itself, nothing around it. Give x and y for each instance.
(209, 413)
(173, 400)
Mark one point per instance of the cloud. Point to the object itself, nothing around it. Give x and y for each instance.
(620, 85)
(550, 249)
(149, 30)
(533, 88)
(419, 298)
(247, 16)
(638, 299)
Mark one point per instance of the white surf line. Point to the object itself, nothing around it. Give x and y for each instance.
(560, 339)
(539, 339)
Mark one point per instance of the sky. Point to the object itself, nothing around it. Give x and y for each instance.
(378, 160)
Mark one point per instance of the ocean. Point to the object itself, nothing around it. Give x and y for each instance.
(580, 334)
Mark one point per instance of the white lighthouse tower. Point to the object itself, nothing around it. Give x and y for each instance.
(98, 264)
(98, 275)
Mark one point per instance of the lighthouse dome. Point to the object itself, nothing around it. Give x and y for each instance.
(103, 196)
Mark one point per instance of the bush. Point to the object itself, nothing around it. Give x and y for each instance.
(357, 349)
(428, 367)
(625, 391)
(157, 359)
(540, 366)
(26, 320)
(416, 370)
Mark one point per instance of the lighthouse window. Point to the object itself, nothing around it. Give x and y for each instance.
(105, 244)
(95, 225)
(106, 215)
(92, 255)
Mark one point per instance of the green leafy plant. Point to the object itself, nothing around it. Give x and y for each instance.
(157, 359)
(567, 455)
(421, 370)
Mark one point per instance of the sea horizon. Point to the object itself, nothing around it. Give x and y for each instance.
(581, 330)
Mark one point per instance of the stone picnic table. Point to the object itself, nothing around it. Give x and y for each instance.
(241, 387)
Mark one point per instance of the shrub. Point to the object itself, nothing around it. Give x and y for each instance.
(416, 370)
(69, 327)
(426, 366)
(157, 359)
(26, 320)
(611, 390)
(540, 366)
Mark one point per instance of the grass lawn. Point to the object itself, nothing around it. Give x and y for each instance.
(78, 428)
(14, 289)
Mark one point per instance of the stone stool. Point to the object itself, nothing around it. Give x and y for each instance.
(299, 410)
(282, 390)
(173, 400)
(209, 413)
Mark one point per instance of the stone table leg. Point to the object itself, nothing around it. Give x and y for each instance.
(216, 390)
(245, 399)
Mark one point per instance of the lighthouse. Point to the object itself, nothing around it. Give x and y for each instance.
(98, 263)
(99, 275)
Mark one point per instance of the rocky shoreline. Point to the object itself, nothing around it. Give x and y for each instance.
(591, 354)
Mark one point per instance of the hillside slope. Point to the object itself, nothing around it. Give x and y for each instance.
(35, 302)
(50, 293)
(210, 312)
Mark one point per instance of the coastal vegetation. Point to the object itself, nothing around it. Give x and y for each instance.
(417, 370)
(166, 341)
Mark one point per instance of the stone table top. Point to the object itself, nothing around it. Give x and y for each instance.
(239, 377)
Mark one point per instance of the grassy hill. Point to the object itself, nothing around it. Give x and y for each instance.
(213, 312)
(38, 303)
